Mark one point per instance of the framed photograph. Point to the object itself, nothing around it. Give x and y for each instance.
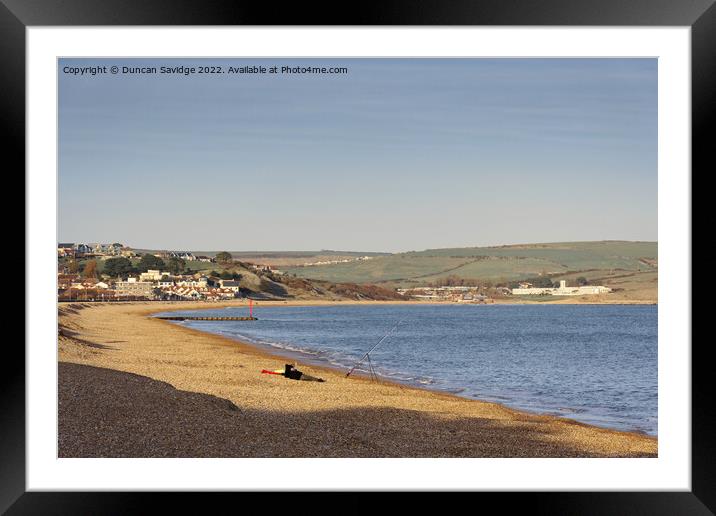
(434, 249)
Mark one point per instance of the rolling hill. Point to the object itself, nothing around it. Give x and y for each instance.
(503, 263)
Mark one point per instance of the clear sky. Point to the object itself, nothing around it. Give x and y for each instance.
(395, 155)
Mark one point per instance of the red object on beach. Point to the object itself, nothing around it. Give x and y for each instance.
(266, 371)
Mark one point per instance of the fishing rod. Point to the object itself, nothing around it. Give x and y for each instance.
(371, 349)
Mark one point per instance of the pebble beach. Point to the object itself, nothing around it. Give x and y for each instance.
(134, 386)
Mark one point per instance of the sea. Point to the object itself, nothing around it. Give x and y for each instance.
(593, 363)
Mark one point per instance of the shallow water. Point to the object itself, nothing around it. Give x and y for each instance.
(593, 363)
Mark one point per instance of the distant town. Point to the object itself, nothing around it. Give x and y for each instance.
(117, 272)
(158, 276)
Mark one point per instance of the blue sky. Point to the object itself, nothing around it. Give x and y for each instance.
(395, 155)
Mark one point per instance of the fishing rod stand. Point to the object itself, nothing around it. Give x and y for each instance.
(373, 374)
(371, 369)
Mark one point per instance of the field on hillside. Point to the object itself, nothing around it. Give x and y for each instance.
(386, 268)
(195, 266)
(502, 268)
(493, 263)
(570, 255)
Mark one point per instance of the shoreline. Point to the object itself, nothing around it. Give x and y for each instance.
(319, 364)
(211, 369)
(339, 302)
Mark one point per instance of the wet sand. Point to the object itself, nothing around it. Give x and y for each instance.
(133, 386)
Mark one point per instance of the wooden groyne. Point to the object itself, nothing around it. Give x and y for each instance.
(184, 318)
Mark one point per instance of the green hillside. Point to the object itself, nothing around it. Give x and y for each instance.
(504, 262)
(393, 267)
(503, 267)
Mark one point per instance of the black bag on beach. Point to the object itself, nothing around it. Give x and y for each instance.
(292, 373)
(295, 374)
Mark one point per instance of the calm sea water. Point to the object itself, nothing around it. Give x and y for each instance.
(593, 363)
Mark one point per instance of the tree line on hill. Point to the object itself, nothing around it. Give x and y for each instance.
(543, 281)
(121, 266)
(457, 281)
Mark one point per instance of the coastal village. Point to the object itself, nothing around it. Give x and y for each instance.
(149, 284)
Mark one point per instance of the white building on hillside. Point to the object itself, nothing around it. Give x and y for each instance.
(134, 288)
(153, 275)
(189, 281)
(562, 290)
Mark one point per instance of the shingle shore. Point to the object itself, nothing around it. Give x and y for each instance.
(133, 386)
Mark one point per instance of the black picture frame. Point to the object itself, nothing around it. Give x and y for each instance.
(17, 15)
